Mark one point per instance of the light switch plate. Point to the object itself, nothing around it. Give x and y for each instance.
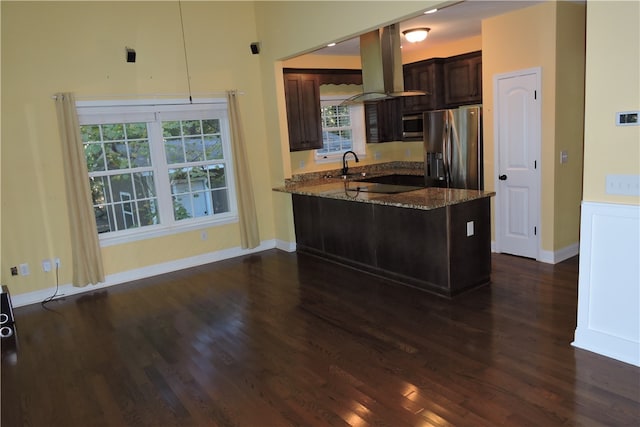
(624, 185)
(564, 156)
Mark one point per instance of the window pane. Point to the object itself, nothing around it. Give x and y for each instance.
(213, 147)
(94, 156)
(121, 184)
(198, 178)
(201, 204)
(148, 212)
(210, 126)
(144, 185)
(220, 201)
(136, 130)
(173, 150)
(193, 149)
(217, 176)
(171, 128)
(116, 154)
(191, 127)
(103, 219)
(90, 133)
(140, 155)
(180, 212)
(113, 132)
(126, 213)
(179, 181)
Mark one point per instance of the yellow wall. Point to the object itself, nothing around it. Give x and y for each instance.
(443, 50)
(289, 29)
(527, 39)
(49, 47)
(569, 126)
(612, 85)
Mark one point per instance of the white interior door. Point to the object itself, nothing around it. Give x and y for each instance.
(517, 126)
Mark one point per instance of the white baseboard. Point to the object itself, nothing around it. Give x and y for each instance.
(20, 300)
(551, 257)
(609, 281)
(286, 246)
(554, 257)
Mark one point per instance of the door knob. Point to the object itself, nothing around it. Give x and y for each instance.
(502, 177)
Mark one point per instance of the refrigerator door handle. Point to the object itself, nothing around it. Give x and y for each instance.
(445, 152)
(450, 136)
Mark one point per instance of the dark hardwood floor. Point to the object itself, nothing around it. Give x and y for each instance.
(279, 339)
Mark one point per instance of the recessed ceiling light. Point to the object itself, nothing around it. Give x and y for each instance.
(431, 11)
(331, 45)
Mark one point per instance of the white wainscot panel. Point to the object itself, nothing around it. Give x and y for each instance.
(609, 281)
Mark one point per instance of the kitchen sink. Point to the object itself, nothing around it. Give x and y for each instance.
(365, 187)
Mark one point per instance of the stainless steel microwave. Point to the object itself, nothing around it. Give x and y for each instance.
(412, 127)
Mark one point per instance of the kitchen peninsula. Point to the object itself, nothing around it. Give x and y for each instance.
(434, 239)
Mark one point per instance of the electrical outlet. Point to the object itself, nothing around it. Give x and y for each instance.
(470, 230)
(46, 265)
(376, 155)
(56, 261)
(203, 235)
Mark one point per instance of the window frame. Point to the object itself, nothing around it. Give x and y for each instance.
(154, 112)
(357, 130)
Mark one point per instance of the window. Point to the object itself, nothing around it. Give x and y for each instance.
(157, 169)
(342, 129)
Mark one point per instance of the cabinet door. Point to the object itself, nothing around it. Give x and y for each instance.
(426, 76)
(463, 80)
(383, 120)
(476, 75)
(302, 93)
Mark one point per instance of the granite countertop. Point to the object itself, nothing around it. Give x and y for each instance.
(336, 187)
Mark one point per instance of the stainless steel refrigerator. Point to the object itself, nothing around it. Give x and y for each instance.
(453, 148)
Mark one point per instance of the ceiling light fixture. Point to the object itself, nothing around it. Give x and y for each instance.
(415, 35)
(431, 11)
(331, 45)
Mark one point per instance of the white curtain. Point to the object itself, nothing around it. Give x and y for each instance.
(249, 234)
(85, 245)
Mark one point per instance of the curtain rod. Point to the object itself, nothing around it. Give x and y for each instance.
(132, 96)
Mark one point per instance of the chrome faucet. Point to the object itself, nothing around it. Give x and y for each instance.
(345, 166)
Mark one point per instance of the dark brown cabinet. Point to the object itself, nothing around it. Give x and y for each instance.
(463, 79)
(427, 249)
(383, 120)
(427, 76)
(302, 93)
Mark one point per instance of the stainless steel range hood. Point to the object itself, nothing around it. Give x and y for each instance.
(381, 66)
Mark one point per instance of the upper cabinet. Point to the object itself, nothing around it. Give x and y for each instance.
(302, 94)
(383, 120)
(463, 79)
(427, 76)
